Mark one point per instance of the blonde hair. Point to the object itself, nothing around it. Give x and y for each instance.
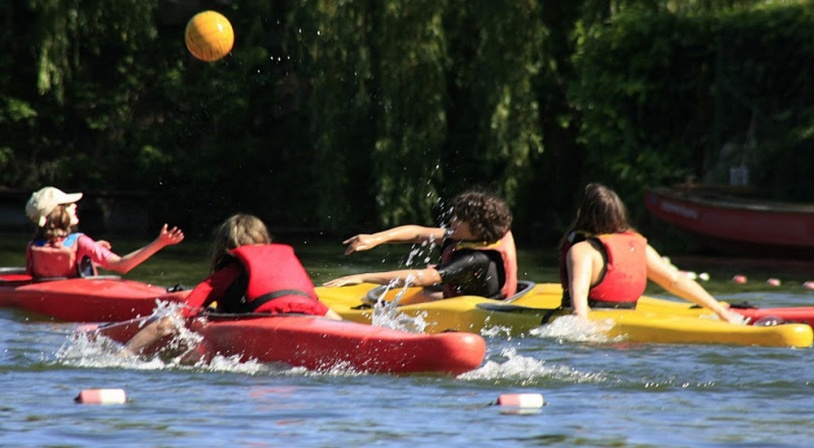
(238, 230)
(57, 225)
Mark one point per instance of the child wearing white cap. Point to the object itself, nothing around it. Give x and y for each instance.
(57, 251)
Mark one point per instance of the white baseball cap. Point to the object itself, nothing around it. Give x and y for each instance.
(45, 200)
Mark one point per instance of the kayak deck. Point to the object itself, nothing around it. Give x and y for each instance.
(654, 320)
(457, 314)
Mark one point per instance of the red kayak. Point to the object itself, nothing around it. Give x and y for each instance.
(320, 344)
(770, 316)
(88, 299)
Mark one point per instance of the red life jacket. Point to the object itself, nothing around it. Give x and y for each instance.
(54, 258)
(625, 277)
(274, 273)
(508, 255)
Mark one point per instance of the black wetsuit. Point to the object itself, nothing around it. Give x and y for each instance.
(473, 272)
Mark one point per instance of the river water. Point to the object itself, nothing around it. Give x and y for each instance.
(598, 392)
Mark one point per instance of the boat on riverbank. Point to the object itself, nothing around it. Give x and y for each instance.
(318, 343)
(538, 304)
(107, 298)
(736, 225)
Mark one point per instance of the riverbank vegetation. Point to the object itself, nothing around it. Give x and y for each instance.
(348, 116)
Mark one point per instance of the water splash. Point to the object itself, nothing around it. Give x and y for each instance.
(576, 329)
(498, 331)
(525, 371)
(87, 349)
(387, 314)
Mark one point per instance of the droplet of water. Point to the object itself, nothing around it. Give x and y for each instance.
(769, 321)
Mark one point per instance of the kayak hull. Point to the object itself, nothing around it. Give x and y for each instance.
(91, 299)
(651, 322)
(323, 344)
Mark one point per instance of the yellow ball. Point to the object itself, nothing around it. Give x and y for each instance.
(209, 36)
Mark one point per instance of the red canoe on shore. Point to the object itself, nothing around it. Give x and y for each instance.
(736, 225)
(321, 344)
(89, 299)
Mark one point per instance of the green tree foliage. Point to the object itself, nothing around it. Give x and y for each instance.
(355, 114)
(496, 110)
(660, 95)
(66, 111)
(330, 42)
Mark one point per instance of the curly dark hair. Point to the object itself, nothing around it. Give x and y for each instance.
(487, 214)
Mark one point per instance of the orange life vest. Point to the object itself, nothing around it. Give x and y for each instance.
(508, 255)
(55, 258)
(274, 273)
(625, 277)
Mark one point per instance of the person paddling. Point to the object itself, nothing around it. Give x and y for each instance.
(56, 250)
(478, 255)
(605, 263)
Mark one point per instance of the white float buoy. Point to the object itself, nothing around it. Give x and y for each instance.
(525, 401)
(773, 282)
(101, 396)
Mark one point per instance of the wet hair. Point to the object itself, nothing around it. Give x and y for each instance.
(600, 211)
(57, 224)
(238, 230)
(488, 215)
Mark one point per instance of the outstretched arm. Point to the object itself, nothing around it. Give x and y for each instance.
(413, 277)
(166, 237)
(674, 282)
(401, 234)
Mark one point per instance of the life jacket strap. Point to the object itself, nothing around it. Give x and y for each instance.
(265, 298)
(611, 305)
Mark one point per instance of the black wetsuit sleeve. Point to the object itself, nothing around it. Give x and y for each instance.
(471, 272)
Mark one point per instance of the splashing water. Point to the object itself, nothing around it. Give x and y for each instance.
(527, 371)
(386, 314)
(496, 331)
(576, 329)
(87, 349)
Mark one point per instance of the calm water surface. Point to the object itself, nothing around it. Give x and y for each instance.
(598, 393)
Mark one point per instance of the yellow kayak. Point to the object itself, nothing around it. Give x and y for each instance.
(654, 320)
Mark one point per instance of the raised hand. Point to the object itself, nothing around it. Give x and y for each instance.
(361, 242)
(169, 237)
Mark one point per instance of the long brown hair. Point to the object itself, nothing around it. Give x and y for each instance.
(600, 211)
(238, 230)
